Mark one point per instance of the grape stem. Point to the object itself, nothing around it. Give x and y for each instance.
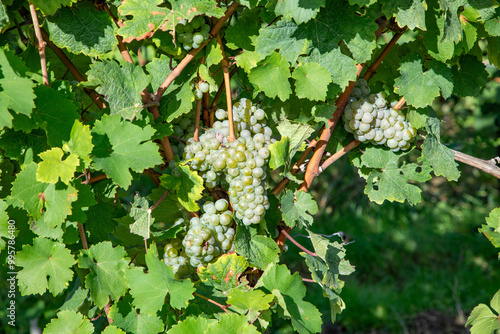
(308, 280)
(41, 44)
(296, 243)
(151, 209)
(83, 236)
(95, 179)
(338, 154)
(223, 307)
(400, 103)
(371, 70)
(227, 84)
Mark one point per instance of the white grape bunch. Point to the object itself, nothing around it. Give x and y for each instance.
(242, 164)
(206, 238)
(192, 34)
(369, 118)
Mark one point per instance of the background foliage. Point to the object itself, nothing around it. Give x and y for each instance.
(90, 110)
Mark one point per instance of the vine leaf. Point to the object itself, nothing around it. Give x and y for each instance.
(251, 301)
(69, 322)
(46, 265)
(231, 323)
(110, 329)
(82, 30)
(108, 265)
(55, 113)
(120, 85)
(47, 200)
(258, 249)
(299, 11)
(311, 81)
(470, 77)
(53, 167)
(80, 142)
(407, 12)
(482, 319)
(452, 30)
(150, 289)
(297, 132)
(132, 321)
(293, 136)
(4, 224)
(16, 90)
(492, 227)
(4, 18)
(49, 7)
(223, 274)
(148, 17)
(298, 211)
(271, 76)
(192, 325)
(420, 88)
(441, 158)
(282, 35)
(326, 268)
(389, 181)
(141, 212)
(188, 186)
(328, 29)
(290, 291)
(120, 146)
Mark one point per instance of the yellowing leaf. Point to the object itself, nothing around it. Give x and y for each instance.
(54, 167)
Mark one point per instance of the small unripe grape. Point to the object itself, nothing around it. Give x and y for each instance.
(389, 133)
(367, 118)
(391, 143)
(204, 87)
(364, 127)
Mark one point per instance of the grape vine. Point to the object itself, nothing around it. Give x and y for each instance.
(156, 155)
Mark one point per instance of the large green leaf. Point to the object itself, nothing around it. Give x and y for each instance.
(120, 85)
(49, 201)
(290, 292)
(46, 265)
(147, 17)
(150, 289)
(82, 29)
(298, 208)
(120, 146)
(68, 322)
(299, 10)
(108, 266)
(49, 7)
(132, 321)
(388, 180)
(421, 88)
(16, 90)
(271, 76)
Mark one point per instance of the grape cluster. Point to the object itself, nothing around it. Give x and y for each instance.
(241, 163)
(368, 117)
(192, 34)
(183, 129)
(207, 238)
